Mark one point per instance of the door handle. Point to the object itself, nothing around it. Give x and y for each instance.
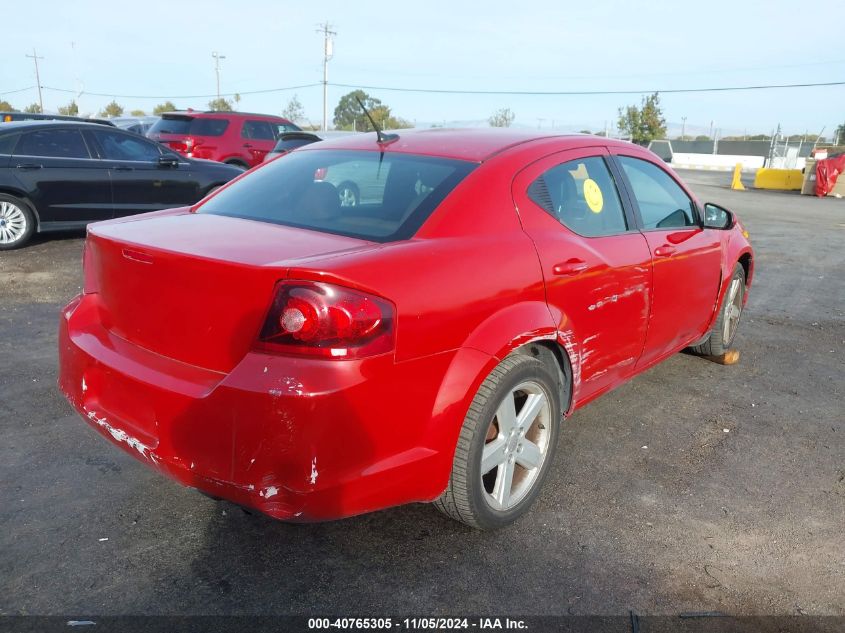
(664, 251)
(572, 266)
(122, 168)
(247, 145)
(29, 166)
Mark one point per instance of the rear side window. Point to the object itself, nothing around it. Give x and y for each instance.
(373, 196)
(186, 125)
(291, 144)
(53, 143)
(117, 146)
(662, 202)
(281, 128)
(8, 142)
(259, 130)
(582, 195)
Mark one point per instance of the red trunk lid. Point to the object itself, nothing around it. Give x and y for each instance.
(195, 287)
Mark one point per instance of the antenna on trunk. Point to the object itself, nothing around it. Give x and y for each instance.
(381, 137)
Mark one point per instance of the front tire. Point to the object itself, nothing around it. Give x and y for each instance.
(17, 222)
(727, 321)
(506, 445)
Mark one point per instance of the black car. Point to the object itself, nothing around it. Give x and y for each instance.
(57, 175)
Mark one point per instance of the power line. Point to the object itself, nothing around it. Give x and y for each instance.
(462, 92)
(536, 93)
(11, 92)
(222, 94)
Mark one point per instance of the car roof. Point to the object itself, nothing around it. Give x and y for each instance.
(45, 123)
(471, 144)
(220, 113)
(37, 116)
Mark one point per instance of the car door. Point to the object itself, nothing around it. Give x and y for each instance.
(686, 257)
(259, 139)
(140, 181)
(596, 265)
(67, 185)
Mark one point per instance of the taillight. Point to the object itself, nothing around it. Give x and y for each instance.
(320, 319)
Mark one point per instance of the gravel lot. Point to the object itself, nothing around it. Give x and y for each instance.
(737, 504)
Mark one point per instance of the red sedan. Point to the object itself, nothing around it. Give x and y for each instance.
(314, 361)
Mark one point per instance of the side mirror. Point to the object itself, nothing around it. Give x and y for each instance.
(716, 217)
(168, 161)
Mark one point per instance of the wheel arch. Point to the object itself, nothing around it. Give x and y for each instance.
(473, 363)
(18, 193)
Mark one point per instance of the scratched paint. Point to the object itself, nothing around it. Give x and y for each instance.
(268, 492)
(121, 436)
(314, 471)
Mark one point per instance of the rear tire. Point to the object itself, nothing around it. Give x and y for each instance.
(17, 222)
(506, 445)
(727, 321)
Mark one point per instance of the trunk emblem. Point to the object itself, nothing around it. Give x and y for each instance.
(137, 256)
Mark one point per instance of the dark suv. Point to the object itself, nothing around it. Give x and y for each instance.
(236, 138)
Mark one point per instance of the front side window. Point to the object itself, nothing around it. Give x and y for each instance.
(582, 195)
(662, 202)
(370, 195)
(53, 143)
(125, 147)
(259, 130)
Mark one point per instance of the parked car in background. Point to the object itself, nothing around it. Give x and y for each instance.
(348, 189)
(8, 117)
(137, 124)
(314, 361)
(236, 138)
(289, 141)
(57, 175)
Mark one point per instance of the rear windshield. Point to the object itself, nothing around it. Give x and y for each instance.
(187, 125)
(370, 195)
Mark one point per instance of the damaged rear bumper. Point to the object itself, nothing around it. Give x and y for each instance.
(295, 438)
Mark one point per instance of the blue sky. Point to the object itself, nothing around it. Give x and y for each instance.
(164, 48)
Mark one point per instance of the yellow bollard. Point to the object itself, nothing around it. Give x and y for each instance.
(736, 183)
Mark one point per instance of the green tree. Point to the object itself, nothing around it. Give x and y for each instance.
(167, 106)
(70, 109)
(293, 110)
(702, 137)
(839, 135)
(645, 123)
(348, 115)
(113, 109)
(33, 108)
(586, 132)
(5, 106)
(220, 105)
(503, 117)
(138, 113)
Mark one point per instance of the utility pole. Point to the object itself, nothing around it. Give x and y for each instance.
(683, 128)
(711, 129)
(217, 57)
(328, 53)
(35, 58)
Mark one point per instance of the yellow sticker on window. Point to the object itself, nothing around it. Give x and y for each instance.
(592, 194)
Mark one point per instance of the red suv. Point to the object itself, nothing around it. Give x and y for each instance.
(236, 138)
